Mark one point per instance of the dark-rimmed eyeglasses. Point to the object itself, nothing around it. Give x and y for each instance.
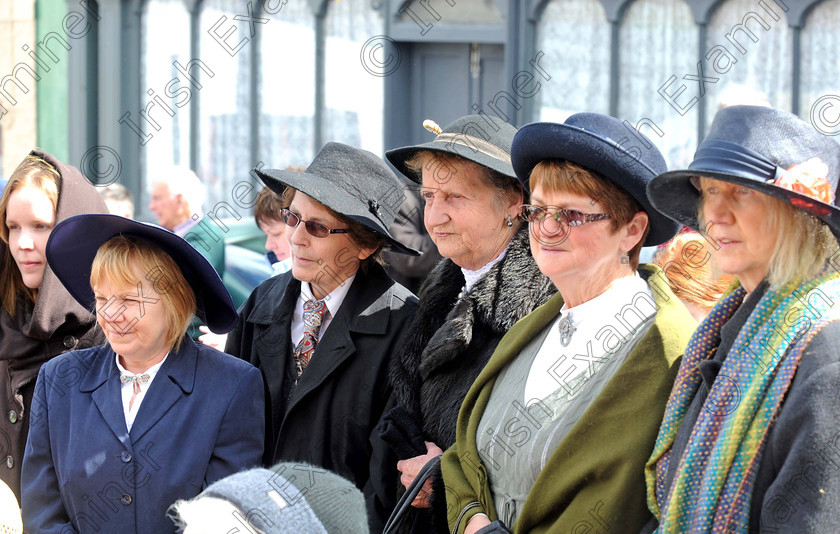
(315, 229)
(536, 214)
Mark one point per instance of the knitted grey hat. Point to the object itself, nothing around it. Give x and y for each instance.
(294, 497)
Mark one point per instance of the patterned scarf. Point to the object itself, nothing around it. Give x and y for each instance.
(713, 487)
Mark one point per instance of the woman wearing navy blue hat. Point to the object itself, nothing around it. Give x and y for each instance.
(323, 334)
(750, 441)
(555, 431)
(121, 431)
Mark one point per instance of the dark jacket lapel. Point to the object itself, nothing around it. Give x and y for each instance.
(273, 313)
(175, 378)
(103, 383)
(366, 310)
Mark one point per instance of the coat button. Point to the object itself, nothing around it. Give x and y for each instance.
(125, 499)
(125, 456)
(12, 416)
(10, 462)
(69, 342)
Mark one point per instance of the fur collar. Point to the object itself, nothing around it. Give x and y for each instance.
(443, 326)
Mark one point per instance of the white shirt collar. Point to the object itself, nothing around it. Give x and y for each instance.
(333, 299)
(183, 228)
(471, 277)
(619, 293)
(151, 371)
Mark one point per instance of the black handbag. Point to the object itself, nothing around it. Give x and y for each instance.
(404, 504)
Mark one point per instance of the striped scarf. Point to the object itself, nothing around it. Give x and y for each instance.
(712, 489)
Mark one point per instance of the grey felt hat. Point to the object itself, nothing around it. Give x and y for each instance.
(352, 182)
(294, 497)
(481, 139)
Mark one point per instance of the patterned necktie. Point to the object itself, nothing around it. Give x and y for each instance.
(136, 380)
(313, 314)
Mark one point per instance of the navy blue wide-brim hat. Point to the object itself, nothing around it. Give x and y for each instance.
(481, 139)
(73, 244)
(352, 182)
(602, 144)
(751, 146)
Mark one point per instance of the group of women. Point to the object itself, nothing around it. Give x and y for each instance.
(564, 384)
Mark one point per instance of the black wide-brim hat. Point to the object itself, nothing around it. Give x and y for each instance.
(751, 146)
(352, 182)
(602, 144)
(481, 139)
(73, 244)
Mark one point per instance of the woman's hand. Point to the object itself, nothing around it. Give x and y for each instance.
(409, 469)
(212, 340)
(476, 523)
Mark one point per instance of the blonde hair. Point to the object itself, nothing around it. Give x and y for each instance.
(117, 260)
(804, 253)
(561, 176)
(685, 260)
(32, 172)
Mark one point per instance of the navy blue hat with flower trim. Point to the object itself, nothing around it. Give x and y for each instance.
(73, 244)
(771, 151)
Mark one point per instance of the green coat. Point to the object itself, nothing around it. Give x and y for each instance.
(594, 481)
(211, 245)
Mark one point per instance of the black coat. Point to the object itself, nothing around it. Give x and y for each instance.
(330, 419)
(451, 340)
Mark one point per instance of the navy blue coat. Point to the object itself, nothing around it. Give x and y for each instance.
(201, 420)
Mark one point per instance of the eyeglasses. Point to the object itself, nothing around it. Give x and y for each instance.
(536, 214)
(315, 229)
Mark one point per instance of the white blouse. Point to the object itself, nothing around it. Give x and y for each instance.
(599, 327)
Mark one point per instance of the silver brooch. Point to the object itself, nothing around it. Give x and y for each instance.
(567, 329)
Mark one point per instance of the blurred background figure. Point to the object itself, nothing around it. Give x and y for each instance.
(286, 498)
(118, 199)
(177, 199)
(267, 214)
(686, 262)
(267, 208)
(38, 317)
(408, 227)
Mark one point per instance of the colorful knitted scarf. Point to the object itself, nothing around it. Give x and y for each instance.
(712, 490)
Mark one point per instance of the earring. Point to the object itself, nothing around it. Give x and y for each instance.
(510, 222)
(625, 259)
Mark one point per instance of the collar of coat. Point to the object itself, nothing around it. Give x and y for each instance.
(608, 445)
(443, 326)
(370, 299)
(177, 377)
